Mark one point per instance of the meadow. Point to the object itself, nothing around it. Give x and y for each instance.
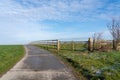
(9, 56)
(92, 65)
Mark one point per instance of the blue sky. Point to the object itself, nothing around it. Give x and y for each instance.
(23, 21)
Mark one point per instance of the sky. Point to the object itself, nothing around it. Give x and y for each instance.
(23, 21)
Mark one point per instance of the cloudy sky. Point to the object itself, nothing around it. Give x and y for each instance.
(22, 21)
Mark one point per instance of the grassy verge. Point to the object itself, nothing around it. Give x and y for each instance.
(9, 56)
(93, 66)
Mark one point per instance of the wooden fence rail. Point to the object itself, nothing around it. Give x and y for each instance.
(73, 45)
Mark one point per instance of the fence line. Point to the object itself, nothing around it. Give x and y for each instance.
(89, 45)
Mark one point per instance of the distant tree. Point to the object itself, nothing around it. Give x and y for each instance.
(114, 28)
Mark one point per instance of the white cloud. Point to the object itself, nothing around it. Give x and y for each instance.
(18, 17)
(52, 10)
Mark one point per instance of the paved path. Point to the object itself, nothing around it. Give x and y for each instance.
(39, 64)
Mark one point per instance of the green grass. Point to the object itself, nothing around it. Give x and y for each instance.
(69, 46)
(93, 65)
(9, 56)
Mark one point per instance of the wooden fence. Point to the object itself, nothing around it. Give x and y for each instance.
(55, 44)
(62, 45)
(89, 45)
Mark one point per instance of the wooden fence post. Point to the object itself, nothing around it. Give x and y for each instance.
(114, 45)
(58, 45)
(90, 44)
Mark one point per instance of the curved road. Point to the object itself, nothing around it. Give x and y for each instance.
(39, 64)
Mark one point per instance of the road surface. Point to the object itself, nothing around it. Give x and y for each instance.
(39, 64)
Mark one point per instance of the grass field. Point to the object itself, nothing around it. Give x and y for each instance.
(93, 65)
(9, 56)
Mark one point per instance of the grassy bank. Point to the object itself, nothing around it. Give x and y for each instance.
(93, 66)
(9, 56)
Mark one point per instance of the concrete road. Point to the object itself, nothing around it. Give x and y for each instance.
(39, 64)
